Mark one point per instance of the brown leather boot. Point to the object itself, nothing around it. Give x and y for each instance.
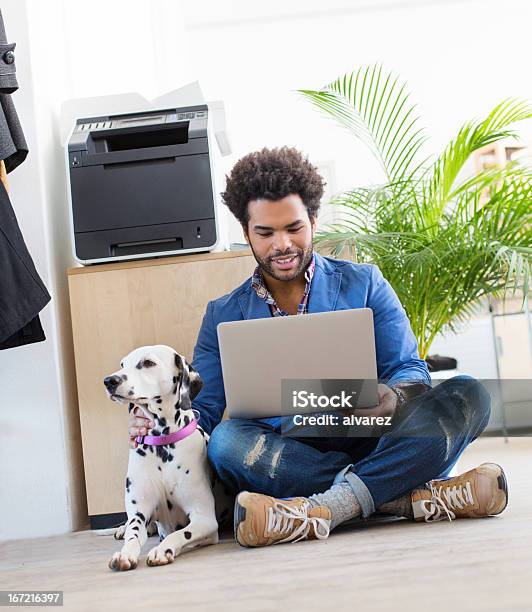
(482, 491)
(261, 520)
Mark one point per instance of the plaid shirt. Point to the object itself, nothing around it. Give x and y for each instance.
(257, 282)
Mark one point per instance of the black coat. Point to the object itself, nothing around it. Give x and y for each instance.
(13, 147)
(22, 292)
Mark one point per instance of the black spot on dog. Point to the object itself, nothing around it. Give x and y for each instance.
(139, 365)
(168, 551)
(162, 421)
(174, 390)
(187, 471)
(186, 420)
(135, 528)
(178, 467)
(128, 483)
(141, 452)
(169, 504)
(155, 432)
(130, 407)
(133, 501)
(163, 453)
(129, 539)
(159, 468)
(159, 401)
(130, 394)
(124, 376)
(174, 380)
(187, 535)
(141, 516)
(166, 430)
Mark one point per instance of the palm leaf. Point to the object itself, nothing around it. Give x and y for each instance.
(443, 242)
(470, 138)
(375, 107)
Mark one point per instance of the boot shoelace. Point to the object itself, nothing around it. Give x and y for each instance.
(281, 520)
(446, 499)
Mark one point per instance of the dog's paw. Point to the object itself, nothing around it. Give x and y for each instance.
(160, 555)
(122, 562)
(119, 533)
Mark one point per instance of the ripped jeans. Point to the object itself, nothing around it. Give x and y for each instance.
(432, 432)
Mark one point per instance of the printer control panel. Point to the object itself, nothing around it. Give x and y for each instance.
(139, 120)
(93, 136)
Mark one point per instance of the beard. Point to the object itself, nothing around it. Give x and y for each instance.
(304, 257)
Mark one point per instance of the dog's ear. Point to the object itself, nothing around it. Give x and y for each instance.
(190, 376)
(195, 384)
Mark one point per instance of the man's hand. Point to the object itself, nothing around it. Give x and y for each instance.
(138, 425)
(388, 401)
(386, 408)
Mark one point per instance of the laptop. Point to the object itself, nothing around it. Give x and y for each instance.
(318, 350)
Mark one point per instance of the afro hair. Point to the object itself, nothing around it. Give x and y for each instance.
(272, 174)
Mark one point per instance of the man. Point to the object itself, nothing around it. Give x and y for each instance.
(291, 489)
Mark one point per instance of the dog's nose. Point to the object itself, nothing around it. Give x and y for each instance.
(112, 382)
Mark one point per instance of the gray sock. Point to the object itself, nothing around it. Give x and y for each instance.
(398, 507)
(340, 500)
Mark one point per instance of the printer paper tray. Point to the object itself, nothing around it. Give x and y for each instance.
(146, 240)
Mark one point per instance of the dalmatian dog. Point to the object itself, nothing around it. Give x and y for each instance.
(168, 480)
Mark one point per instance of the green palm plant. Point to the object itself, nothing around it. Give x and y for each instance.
(442, 239)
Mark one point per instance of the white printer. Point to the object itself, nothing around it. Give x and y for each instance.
(142, 185)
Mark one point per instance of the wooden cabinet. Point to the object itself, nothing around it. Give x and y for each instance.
(116, 308)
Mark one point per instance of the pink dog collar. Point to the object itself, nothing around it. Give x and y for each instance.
(181, 434)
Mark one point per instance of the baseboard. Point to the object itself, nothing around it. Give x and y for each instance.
(106, 521)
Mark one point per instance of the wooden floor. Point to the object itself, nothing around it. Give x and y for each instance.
(466, 565)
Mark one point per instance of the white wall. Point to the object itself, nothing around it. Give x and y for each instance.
(41, 476)
(459, 58)
(33, 468)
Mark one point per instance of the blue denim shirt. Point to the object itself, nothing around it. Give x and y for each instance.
(336, 285)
